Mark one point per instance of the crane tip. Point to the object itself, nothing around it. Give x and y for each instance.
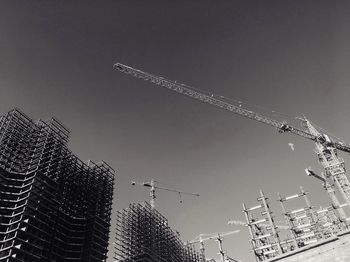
(118, 66)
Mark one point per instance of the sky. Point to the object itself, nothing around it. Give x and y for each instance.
(290, 57)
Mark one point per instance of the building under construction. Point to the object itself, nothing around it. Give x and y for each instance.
(53, 207)
(311, 234)
(143, 235)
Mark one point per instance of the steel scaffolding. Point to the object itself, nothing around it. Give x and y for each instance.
(53, 207)
(143, 235)
(265, 240)
(306, 227)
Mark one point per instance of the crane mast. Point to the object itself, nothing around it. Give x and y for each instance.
(326, 149)
(333, 164)
(331, 192)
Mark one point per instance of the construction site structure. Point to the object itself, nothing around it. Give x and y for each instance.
(213, 236)
(53, 207)
(264, 239)
(309, 228)
(153, 185)
(303, 224)
(326, 149)
(143, 235)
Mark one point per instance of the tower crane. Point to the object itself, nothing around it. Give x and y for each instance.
(326, 149)
(153, 186)
(215, 236)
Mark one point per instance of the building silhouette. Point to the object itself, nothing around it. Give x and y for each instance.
(53, 207)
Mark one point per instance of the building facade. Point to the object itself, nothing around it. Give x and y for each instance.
(143, 235)
(53, 207)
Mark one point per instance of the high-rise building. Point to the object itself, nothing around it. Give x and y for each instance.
(143, 235)
(53, 207)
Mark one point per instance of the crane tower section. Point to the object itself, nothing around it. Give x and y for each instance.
(333, 164)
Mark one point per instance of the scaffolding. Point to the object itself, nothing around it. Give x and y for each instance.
(53, 207)
(143, 235)
(303, 222)
(265, 240)
(307, 226)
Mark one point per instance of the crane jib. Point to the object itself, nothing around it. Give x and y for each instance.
(214, 101)
(187, 91)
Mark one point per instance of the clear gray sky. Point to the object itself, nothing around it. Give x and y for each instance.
(288, 56)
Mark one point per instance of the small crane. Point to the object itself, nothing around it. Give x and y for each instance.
(152, 185)
(216, 236)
